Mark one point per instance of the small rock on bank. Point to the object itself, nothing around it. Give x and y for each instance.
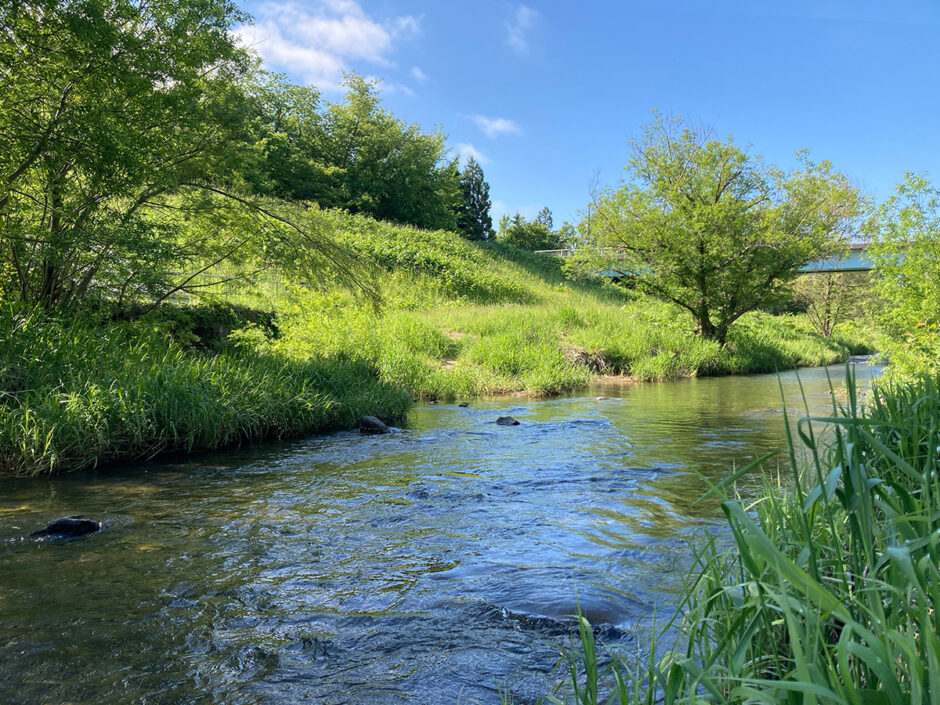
(370, 425)
(507, 421)
(67, 528)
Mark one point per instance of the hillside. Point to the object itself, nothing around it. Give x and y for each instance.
(254, 360)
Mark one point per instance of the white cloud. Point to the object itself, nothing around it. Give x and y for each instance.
(418, 74)
(317, 40)
(496, 126)
(465, 151)
(517, 28)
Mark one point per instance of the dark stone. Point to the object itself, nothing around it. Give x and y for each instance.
(371, 425)
(463, 405)
(68, 528)
(507, 421)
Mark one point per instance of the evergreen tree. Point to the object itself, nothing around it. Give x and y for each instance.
(544, 218)
(473, 217)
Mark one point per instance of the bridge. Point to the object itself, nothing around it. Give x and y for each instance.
(856, 259)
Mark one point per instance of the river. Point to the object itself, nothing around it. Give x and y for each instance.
(438, 564)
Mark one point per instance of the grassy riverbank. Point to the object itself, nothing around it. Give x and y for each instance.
(457, 319)
(830, 592)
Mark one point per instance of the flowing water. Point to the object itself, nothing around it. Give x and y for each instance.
(439, 564)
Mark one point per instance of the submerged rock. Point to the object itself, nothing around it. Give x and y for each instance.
(507, 421)
(371, 425)
(68, 528)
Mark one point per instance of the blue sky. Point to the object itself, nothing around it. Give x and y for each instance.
(548, 94)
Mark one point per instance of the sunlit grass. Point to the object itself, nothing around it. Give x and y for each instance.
(83, 392)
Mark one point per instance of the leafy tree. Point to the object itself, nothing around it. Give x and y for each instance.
(544, 217)
(703, 224)
(289, 139)
(122, 137)
(524, 234)
(105, 107)
(906, 235)
(473, 217)
(385, 167)
(831, 297)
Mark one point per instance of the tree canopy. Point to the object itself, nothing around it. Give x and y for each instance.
(351, 154)
(473, 215)
(906, 236)
(105, 107)
(703, 224)
(137, 141)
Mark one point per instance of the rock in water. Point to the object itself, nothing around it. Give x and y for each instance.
(507, 421)
(371, 425)
(68, 528)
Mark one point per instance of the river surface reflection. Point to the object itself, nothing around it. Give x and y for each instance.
(435, 565)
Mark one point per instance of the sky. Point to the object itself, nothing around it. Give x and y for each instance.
(547, 95)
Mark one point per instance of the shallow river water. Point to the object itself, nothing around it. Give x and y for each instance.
(435, 565)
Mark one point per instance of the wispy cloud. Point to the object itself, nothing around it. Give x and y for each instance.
(418, 74)
(519, 27)
(318, 39)
(465, 151)
(496, 126)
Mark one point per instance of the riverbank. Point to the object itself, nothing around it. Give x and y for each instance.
(242, 364)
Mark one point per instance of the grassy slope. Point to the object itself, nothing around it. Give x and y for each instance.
(459, 319)
(465, 319)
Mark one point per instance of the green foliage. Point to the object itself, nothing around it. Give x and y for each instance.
(830, 594)
(832, 297)
(352, 154)
(526, 235)
(906, 232)
(465, 320)
(82, 392)
(104, 107)
(473, 215)
(704, 225)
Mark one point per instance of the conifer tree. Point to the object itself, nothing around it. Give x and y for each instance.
(473, 217)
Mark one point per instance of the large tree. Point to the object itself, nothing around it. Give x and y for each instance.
(105, 107)
(385, 167)
(703, 224)
(906, 235)
(124, 130)
(473, 216)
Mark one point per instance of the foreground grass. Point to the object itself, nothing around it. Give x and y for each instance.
(84, 392)
(830, 594)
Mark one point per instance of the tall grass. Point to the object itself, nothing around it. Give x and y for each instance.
(81, 392)
(831, 591)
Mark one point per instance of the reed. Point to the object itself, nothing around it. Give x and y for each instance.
(831, 590)
(79, 392)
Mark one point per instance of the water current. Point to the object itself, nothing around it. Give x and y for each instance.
(439, 564)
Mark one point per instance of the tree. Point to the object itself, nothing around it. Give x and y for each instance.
(906, 236)
(703, 224)
(124, 131)
(544, 217)
(386, 168)
(524, 234)
(831, 297)
(106, 106)
(473, 216)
